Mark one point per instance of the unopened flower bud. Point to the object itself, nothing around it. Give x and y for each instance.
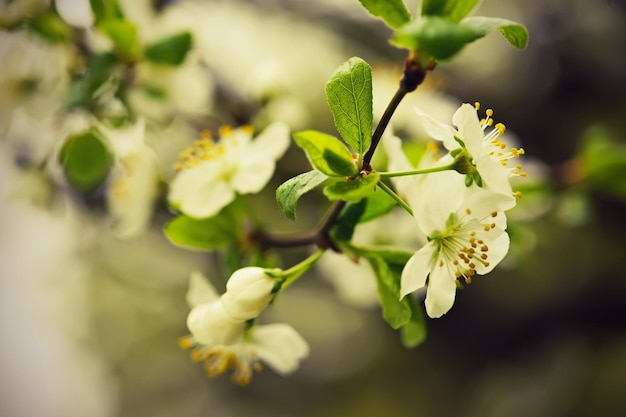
(248, 291)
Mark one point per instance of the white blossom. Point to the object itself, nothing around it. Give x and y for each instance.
(466, 236)
(222, 342)
(485, 150)
(248, 292)
(213, 172)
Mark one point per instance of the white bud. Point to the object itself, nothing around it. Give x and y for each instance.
(211, 325)
(248, 292)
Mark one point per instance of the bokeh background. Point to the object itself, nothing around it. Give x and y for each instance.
(89, 321)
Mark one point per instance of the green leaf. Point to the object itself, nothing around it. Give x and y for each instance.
(326, 153)
(378, 203)
(393, 12)
(435, 36)
(513, 32)
(205, 234)
(349, 93)
(171, 50)
(348, 219)
(397, 313)
(289, 192)
(105, 10)
(454, 10)
(100, 68)
(52, 27)
(414, 332)
(86, 160)
(124, 36)
(353, 190)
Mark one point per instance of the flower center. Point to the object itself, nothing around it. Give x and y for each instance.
(220, 359)
(461, 247)
(207, 149)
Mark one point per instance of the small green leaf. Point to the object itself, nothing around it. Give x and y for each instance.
(378, 203)
(326, 153)
(353, 190)
(86, 160)
(171, 50)
(435, 36)
(100, 69)
(205, 234)
(414, 332)
(105, 10)
(289, 192)
(349, 93)
(52, 27)
(513, 32)
(397, 313)
(454, 10)
(393, 12)
(124, 36)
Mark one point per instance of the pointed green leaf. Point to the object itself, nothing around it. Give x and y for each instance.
(348, 219)
(169, 51)
(106, 9)
(393, 12)
(326, 153)
(205, 234)
(289, 192)
(349, 93)
(454, 10)
(379, 203)
(414, 332)
(515, 33)
(353, 190)
(86, 160)
(124, 36)
(435, 36)
(397, 313)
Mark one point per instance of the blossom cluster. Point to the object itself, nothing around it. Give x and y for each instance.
(223, 336)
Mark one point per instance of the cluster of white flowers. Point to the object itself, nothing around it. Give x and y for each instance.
(222, 335)
(463, 221)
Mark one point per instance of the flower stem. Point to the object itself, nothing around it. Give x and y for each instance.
(296, 271)
(395, 196)
(449, 167)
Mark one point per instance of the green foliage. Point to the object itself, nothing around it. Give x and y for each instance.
(106, 10)
(348, 219)
(123, 34)
(414, 332)
(442, 38)
(99, 70)
(393, 12)
(378, 203)
(454, 10)
(353, 189)
(326, 153)
(349, 93)
(86, 160)
(397, 313)
(513, 32)
(289, 192)
(52, 27)
(171, 50)
(603, 162)
(205, 234)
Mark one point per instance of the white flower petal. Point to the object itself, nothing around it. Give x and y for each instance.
(211, 325)
(498, 242)
(199, 191)
(495, 177)
(248, 292)
(252, 174)
(417, 269)
(200, 290)
(271, 143)
(280, 346)
(470, 132)
(441, 291)
(438, 130)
